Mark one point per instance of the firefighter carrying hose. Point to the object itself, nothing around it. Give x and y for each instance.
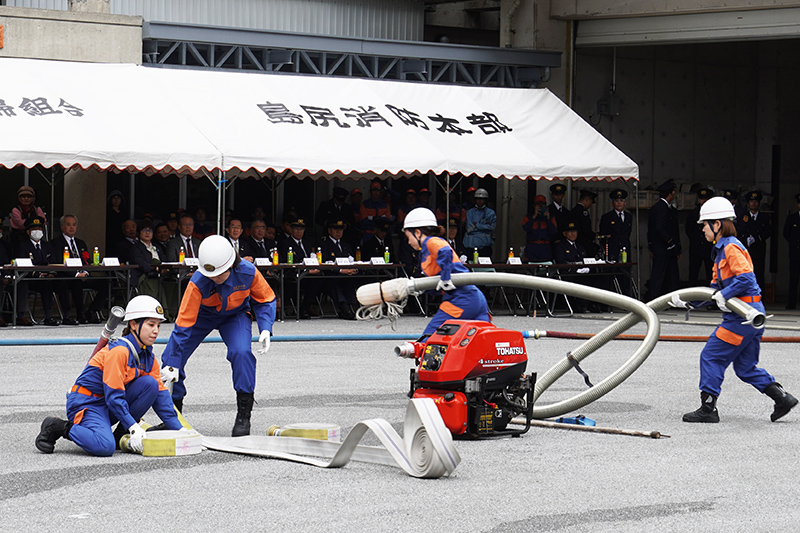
(437, 258)
(120, 383)
(219, 296)
(732, 342)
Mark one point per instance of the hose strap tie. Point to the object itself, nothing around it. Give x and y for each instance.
(576, 366)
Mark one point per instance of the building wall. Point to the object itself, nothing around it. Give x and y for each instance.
(66, 36)
(372, 19)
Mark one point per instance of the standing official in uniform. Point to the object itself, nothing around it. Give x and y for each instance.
(617, 224)
(791, 232)
(754, 229)
(664, 242)
(582, 217)
(539, 230)
(699, 247)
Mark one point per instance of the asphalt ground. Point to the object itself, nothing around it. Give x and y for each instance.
(733, 476)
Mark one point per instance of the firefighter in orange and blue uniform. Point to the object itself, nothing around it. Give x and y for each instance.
(218, 296)
(437, 258)
(539, 229)
(119, 383)
(733, 342)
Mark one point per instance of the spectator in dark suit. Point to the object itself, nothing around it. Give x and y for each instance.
(582, 217)
(754, 228)
(74, 287)
(235, 232)
(376, 245)
(699, 247)
(615, 231)
(184, 239)
(124, 248)
(664, 242)
(161, 237)
(557, 211)
(201, 228)
(116, 214)
(41, 253)
(301, 248)
(342, 290)
(336, 207)
(256, 245)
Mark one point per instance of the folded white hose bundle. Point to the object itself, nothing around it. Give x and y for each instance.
(382, 300)
(426, 449)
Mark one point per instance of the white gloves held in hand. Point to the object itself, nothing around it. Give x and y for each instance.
(719, 299)
(445, 285)
(169, 374)
(265, 340)
(750, 241)
(677, 302)
(137, 436)
(584, 270)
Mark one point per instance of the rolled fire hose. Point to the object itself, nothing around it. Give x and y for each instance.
(399, 288)
(167, 443)
(426, 449)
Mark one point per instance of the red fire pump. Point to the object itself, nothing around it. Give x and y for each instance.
(475, 372)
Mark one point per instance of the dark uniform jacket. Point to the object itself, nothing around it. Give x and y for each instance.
(373, 247)
(791, 232)
(143, 260)
(698, 245)
(330, 250)
(252, 248)
(568, 252)
(618, 231)
(758, 227)
(663, 231)
(42, 256)
(585, 234)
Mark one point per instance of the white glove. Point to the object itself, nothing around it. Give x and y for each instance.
(264, 339)
(720, 301)
(750, 241)
(677, 302)
(169, 374)
(137, 436)
(445, 285)
(584, 270)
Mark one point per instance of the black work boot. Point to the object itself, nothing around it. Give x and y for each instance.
(244, 405)
(178, 404)
(52, 429)
(783, 400)
(707, 412)
(119, 432)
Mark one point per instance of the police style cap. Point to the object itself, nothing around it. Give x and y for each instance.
(571, 225)
(704, 193)
(297, 222)
(35, 223)
(588, 194)
(667, 186)
(618, 194)
(173, 216)
(339, 192)
(453, 221)
(334, 223)
(382, 223)
(558, 188)
(754, 195)
(730, 194)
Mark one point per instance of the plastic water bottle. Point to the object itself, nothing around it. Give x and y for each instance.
(624, 255)
(386, 255)
(319, 255)
(358, 253)
(511, 252)
(181, 255)
(66, 254)
(475, 255)
(290, 256)
(96, 256)
(274, 256)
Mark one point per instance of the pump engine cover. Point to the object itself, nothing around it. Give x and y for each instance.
(452, 405)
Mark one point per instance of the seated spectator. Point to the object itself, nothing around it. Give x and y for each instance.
(146, 256)
(161, 237)
(202, 228)
(270, 235)
(373, 207)
(405, 209)
(342, 290)
(376, 245)
(23, 213)
(80, 280)
(257, 214)
(185, 240)
(123, 249)
(424, 197)
(456, 211)
(569, 251)
(173, 219)
(256, 245)
(235, 231)
(539, 229)
(116, 214)
(454, 239)
(301, 248)
(41, 253)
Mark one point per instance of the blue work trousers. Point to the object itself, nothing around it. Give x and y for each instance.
(93, 431)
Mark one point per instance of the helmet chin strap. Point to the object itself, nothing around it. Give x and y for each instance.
(419, 242)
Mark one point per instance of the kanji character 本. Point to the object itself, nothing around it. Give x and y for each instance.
(448, 125)
(6, 110)
(409, 118)
(323, 115)
(364, 116)
(71, 109)
(279, 113)
(488, 123)
(37, 107)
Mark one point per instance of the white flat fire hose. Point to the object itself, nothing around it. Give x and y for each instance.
(376, 294)
(426, 449)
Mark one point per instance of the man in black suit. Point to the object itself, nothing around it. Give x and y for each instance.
(342, 290)
(41, 253)
(615, 227)
(699, 247)
(124, 248)
(301, 248)
(582, 217)
(754, 228)
(336, 207)
(74, 287)
(664, 242)
(376, 245)
(184, 240)
(234, 233)
(256, 245)
(557, 212)
(161, 237)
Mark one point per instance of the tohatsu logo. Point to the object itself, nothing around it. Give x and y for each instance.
(505, 348)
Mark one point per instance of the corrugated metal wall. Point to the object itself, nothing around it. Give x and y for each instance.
(369, 19)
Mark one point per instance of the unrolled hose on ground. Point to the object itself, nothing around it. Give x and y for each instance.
(540, 334)
(638, 312)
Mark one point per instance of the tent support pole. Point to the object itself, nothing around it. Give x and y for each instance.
(638, 249)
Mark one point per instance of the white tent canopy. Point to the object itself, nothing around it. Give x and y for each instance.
(147, 119)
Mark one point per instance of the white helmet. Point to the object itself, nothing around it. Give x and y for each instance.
(143, 307)
(717, 208)
(420, 217)
(216, 255)
(482, 193)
